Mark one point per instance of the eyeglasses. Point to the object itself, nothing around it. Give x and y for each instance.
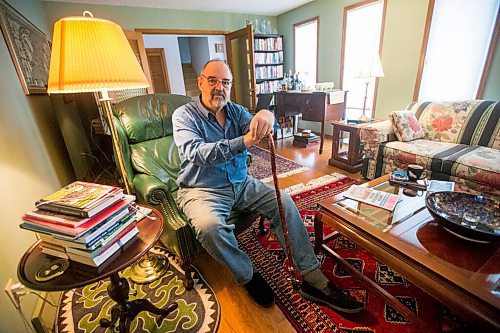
(213, 81)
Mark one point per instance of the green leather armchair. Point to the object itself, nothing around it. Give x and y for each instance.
(144, 126)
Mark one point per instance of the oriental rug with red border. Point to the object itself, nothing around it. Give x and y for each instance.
(306, 316)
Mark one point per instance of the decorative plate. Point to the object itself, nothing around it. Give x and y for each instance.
(466, 215)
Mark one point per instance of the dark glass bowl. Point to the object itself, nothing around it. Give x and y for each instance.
(474, 217)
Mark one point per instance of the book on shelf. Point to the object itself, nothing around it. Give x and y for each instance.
(113, 213)
(372, 197)
(80, 199)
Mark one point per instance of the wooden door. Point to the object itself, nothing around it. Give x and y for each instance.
(158, 69)
(239, 48)
(137, 44)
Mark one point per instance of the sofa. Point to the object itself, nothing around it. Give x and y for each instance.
(459, 142)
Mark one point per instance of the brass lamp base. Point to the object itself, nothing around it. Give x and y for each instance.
(149, 268)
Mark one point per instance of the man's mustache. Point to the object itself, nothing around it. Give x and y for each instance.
(218, 93)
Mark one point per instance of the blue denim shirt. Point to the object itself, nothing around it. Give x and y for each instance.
(211, 157)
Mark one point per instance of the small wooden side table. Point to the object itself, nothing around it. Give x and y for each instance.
(351, 158)
(79, 275)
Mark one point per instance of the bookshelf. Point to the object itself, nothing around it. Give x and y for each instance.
(268, 62)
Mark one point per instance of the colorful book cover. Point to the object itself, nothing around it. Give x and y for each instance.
(78, 194)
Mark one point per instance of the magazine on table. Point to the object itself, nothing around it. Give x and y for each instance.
(372, 197)
(79, 194)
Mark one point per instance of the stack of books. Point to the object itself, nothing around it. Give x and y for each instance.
(85, 222)
(305, 138)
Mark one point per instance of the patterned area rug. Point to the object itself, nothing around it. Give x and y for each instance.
(306, 316)
(198, 310)
(261, 165)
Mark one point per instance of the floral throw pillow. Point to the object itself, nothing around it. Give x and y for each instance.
(406, 126)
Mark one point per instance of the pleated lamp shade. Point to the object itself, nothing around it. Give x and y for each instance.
(92, 54)
(371, 67)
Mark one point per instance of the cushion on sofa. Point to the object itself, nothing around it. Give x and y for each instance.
(476, 163)
(419, 152)
(473, 122)
(406, 126)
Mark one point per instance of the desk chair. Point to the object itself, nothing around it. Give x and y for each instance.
(144, 126)
(286, 111)
(263, 102)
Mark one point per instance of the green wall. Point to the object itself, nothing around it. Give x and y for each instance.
(492, 88)
(403, 34)
(33, 162)
(132, 17)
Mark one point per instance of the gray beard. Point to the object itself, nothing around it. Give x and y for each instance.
(217, 103)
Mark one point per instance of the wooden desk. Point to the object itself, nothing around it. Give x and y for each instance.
(314, 106)
(78, 275)
(463, 275)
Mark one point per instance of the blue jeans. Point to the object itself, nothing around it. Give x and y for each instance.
(207, 210)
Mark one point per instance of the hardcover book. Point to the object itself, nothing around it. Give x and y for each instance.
(103, 257)
(103, 239)
(115, 237)
(309, 138)
(112, 213)
(63, 219)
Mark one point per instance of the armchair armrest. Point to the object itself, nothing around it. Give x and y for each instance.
(371, 135)
(380, 131)
(177, 233)
(146, 185)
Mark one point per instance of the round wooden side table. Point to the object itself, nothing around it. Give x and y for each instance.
(78, 275)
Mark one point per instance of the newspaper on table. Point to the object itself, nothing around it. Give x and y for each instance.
(372, 197)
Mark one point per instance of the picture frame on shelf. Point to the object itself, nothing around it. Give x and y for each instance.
(29, 49)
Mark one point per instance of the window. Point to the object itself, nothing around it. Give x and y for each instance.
(306, 50)
(459, 37)
(361, 44)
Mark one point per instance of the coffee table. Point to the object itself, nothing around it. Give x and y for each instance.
(462, 274)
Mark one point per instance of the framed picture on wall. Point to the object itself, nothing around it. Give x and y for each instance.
(28, 47)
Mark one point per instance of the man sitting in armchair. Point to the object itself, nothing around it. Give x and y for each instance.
(212, 135)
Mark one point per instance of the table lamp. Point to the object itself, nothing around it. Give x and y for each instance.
(93, 55)
(371, 68)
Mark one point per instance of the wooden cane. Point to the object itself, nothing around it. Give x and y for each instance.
(294, 275)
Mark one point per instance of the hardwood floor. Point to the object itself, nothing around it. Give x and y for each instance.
(238, 312)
